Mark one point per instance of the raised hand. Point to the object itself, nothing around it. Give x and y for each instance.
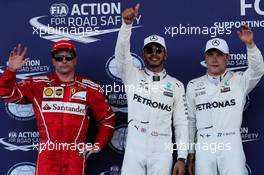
(130, 14)
(246, 35)
(16, 58)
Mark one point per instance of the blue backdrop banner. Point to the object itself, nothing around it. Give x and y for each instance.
(93, 26)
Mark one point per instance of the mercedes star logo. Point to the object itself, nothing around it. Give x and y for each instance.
(153, 38)
(215, 42)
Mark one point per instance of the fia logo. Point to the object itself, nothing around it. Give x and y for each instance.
(59, 10)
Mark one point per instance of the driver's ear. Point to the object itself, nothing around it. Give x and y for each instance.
(166, 55)
(227, 57)
(75, 60)
(53, 61)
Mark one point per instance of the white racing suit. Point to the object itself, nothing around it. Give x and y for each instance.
(153, 107)
(215, 116)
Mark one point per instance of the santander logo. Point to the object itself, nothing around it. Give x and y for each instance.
(63, 107)
(46, 107)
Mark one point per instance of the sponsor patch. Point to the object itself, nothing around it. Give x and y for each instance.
(200, 93)
(73, 90)
(143, 130)
(58, 92)
(152, 104)
(156, 78)
(222, 134)
(53, 92)
(168, 87)
(216, 104)
(48, 92)
(198, 89)
(225, 89)
(63, 107)
(79, 95)
(199, 86)
(169, 94)
(156, 133)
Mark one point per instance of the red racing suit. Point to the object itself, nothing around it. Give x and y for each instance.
(62, 114)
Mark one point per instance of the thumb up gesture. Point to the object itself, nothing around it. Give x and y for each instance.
(130, 14)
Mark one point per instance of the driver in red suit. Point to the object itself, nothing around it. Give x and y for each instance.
(61, 102)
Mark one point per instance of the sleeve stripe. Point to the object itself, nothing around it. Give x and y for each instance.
(108, 126)
(10, 95)
(47, 81)
(110, 116)
(88, 85)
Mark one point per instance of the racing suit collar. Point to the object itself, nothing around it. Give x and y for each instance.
(155, 76)
(216, 79)
(55, 77)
